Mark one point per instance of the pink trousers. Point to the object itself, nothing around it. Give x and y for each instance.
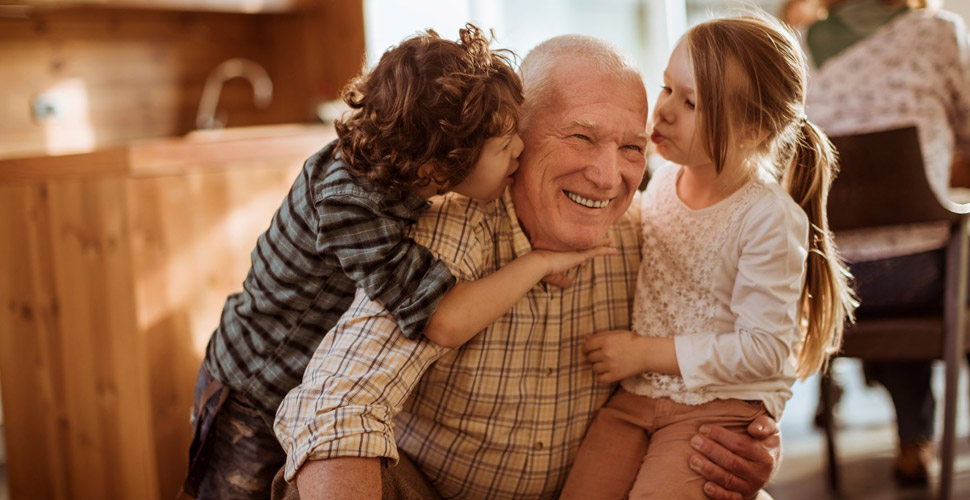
(638, 447)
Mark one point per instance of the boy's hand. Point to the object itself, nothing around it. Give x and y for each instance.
(557, 263)
(615, 354)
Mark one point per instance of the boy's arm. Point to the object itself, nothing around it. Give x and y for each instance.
(375, 252)
(470, 307)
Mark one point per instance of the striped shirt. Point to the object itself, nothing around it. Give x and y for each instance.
(501, 417)
(332, 234)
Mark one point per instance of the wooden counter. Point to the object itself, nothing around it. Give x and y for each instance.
(114, 266)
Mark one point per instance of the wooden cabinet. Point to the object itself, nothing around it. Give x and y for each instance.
(114, 266)
(116, 74)
(245, 6)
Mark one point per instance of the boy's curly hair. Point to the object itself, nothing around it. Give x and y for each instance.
(428, 100)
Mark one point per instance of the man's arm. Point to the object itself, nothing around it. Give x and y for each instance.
(347, 478)
(736, 466)
(356, 382)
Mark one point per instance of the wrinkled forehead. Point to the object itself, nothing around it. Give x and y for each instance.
(576, 85)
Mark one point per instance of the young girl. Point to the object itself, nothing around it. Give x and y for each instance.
(433, 116)
(741, 289)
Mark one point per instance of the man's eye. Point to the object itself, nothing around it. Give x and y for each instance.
(582, 136)
(634, 147)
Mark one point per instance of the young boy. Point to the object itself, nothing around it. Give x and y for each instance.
(433, 116)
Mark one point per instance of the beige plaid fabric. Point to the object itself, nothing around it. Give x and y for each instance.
(501, 417)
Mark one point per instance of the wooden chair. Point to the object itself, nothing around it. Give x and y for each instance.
(882, 182)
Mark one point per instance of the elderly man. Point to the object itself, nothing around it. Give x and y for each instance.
(503, 416)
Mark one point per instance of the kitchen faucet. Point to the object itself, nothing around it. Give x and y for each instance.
(227, 70)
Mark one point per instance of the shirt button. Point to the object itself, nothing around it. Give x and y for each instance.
(538, 445)
(549, 371)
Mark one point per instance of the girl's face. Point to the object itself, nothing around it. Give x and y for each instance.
(675, 132)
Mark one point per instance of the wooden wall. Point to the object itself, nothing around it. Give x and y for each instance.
(110, 286)
(64, 288)
(139, 73)
(112, 282)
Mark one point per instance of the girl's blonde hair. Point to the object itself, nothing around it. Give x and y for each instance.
(767, 101)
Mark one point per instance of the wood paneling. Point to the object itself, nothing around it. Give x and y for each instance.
(191, 239)
(139, 73)
(30, 347)
(248, 6)
(111, 283)
(74, 420)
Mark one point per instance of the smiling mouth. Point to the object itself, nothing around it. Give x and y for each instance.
(586, 202)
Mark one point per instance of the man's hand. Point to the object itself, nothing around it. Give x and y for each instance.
(736, 466)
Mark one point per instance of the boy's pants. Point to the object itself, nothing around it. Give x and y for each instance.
(234, 453)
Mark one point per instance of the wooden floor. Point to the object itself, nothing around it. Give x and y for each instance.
(866, 439)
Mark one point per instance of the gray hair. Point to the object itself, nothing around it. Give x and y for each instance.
(599, 55)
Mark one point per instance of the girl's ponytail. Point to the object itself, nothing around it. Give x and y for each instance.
(827, 300)
(768, 101)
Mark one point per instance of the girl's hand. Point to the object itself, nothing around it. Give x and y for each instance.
(616, 354)
(557, 263)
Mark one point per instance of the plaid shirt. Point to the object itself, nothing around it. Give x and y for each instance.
(332, 234)
(501, 417)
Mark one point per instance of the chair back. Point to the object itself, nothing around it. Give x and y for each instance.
(882, 182)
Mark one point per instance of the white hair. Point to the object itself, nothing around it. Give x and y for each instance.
(600, 56)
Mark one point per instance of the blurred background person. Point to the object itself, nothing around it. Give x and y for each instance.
(878, 65)
(800, 14)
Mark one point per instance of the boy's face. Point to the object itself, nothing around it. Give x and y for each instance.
(492, 173)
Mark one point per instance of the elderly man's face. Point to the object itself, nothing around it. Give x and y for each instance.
(583, 159)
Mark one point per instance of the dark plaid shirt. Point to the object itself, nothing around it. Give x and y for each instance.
(332, 234)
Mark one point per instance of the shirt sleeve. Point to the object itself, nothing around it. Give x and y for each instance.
(374, 251)
(355, 384)
(764, 300)
(457, 230)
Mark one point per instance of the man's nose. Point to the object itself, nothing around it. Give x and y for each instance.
(604, 170)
